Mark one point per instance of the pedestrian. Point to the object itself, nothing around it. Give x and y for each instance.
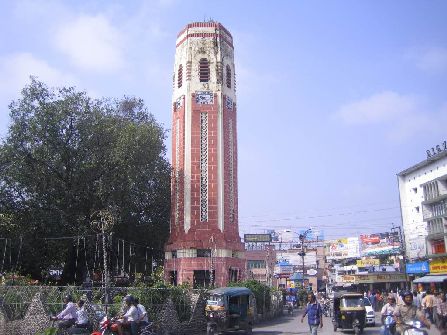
(314, 314)
(427, 305)
(441, 312)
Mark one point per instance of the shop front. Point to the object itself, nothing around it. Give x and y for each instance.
(381, 281)
(437, 278)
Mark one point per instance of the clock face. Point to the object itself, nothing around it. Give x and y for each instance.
(204, 97)
(228, 103)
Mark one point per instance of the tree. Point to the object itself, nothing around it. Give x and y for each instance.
(67, 156)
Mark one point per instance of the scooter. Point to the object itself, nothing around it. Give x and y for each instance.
(389, 325)
(414, 327)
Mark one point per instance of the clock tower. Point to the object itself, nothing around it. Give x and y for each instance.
(204, 247)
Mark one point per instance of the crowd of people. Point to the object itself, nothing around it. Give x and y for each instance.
(429, 307)
(74, 318)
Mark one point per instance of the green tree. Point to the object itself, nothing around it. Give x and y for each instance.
(67, 156)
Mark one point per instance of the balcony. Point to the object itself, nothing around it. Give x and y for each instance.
(434, 210)
(435, 228)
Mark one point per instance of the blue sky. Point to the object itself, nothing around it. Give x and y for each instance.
(334, 97)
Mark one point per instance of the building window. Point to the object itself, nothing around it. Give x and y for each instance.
(180, 76)
(415, 190)
(228, 76)
(438, 247)
(417, 209)
(203, 252)
(204, 70)
(256, 264)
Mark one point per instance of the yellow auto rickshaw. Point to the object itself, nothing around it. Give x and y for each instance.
(230, 309)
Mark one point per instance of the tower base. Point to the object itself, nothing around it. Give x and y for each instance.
(202, 272)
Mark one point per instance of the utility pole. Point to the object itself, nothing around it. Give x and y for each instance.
(302, 238)
(402, 251)
(104, 221)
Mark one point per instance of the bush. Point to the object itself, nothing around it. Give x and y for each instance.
(262, 294)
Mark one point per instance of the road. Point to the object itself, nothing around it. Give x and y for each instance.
(291, 325)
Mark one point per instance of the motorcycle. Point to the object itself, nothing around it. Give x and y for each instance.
(290, 307)
(389, 325)
(109, 326)
(414, 327)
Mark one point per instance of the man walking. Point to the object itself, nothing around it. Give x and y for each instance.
(314, 314)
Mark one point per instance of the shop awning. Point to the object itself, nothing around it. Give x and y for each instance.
(431, 279)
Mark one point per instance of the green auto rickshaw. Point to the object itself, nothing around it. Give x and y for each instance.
(230, 309)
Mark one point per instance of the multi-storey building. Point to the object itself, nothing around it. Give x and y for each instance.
(204, 246)
(423, 202)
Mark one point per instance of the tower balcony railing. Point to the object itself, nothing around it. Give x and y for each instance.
(436, 210)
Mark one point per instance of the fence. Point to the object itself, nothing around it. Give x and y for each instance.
(25, 310)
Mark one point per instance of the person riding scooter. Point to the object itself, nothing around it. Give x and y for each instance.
(130, 319)
(68, 316)
(408, 312)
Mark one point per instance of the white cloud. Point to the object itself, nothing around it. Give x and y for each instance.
(378, 108)
(401, 116)
(92, 43)
(432, 60)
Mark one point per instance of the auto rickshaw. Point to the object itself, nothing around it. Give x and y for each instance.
(230, 309)
(349, 312)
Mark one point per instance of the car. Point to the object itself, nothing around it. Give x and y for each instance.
(370, 314)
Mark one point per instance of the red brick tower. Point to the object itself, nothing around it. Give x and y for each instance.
(204, 246)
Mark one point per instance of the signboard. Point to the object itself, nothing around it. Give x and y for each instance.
(417, 267)
(310, 259)
(366, 263)
(380, 278)
(438, 266)
(257, 238)
(314, 234)
(416, 247)
(343, 248)
(380, 244)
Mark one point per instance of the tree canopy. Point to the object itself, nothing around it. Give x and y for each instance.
(67, 156)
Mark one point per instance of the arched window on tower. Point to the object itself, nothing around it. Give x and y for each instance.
(180, 76)
(204, 70)
(228, 76)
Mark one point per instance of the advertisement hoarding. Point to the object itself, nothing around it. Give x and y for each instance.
(343, 248)
(387, 243)
(417, 267)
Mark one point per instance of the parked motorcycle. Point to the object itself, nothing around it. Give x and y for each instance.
(290, 307)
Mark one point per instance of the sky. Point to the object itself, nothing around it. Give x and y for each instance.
(334, 97)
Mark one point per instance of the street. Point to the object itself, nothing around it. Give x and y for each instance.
(288, 325)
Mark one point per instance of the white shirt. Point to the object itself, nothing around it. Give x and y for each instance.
(69, 312)
(143, 313)
(132, 314)
(82, 317)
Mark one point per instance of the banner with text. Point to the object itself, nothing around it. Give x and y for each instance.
(387, 243)
(343, 248)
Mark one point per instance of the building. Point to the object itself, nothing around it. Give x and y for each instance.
(261, 260)
(423, 202)
(204, 247)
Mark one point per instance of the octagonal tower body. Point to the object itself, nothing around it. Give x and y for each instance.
(204, 246)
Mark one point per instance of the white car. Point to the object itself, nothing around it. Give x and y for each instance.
(370, 315)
